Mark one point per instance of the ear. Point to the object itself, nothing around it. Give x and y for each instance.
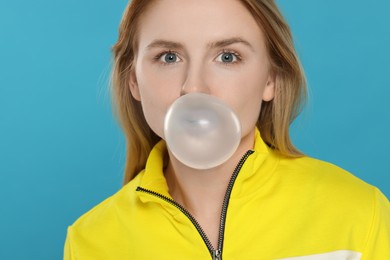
(269, 90)
(133, 86)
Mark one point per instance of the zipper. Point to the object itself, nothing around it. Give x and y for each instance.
(216, 254)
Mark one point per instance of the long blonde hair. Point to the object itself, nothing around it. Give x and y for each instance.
(275, 116)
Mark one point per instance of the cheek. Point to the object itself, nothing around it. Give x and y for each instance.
(157, 90)
(244, 94)
(248, 107)
(158, 82)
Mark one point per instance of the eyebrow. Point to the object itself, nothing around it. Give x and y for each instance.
(164, 44)
(229, 41)
(218, 44)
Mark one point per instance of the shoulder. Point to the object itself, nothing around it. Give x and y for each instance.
(99, 232)
(321, 174)
(104, 215)
(325, 183)
(326, 186)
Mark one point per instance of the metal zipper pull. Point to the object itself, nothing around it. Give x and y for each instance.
(217, 255)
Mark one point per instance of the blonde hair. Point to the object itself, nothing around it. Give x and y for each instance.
(275, 115)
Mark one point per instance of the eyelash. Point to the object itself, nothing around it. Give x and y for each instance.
(158, 57)
(236, 54)
(225, 51)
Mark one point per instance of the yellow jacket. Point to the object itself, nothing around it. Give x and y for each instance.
(279, 208)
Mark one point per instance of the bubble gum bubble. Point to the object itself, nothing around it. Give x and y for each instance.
(201, 130)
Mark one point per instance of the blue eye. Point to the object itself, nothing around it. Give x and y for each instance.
(169, 57)
(228, 57)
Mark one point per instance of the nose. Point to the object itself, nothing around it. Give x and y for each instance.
(195, 80)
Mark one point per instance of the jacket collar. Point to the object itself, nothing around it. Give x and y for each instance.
(255, 171)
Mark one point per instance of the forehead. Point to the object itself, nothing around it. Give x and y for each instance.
(197, 20)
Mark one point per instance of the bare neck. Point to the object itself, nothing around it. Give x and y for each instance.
(202, 192)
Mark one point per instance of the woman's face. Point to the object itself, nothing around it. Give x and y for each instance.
(209, 46)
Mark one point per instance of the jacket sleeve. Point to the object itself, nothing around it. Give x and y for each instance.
(378, 240)
(68, 253)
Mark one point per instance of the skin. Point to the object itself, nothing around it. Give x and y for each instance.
(213, 47)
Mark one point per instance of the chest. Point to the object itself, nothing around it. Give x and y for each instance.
(253, 230)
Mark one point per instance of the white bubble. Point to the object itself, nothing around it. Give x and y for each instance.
(201, 130)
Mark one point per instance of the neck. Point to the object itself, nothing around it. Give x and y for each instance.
(202, 192)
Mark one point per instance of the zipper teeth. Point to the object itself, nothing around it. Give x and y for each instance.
(227, 197)
(188, 214)
(223, 212)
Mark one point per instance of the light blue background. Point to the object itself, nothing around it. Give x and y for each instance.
(61, 151)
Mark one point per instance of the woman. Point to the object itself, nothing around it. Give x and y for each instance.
(268, 201)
